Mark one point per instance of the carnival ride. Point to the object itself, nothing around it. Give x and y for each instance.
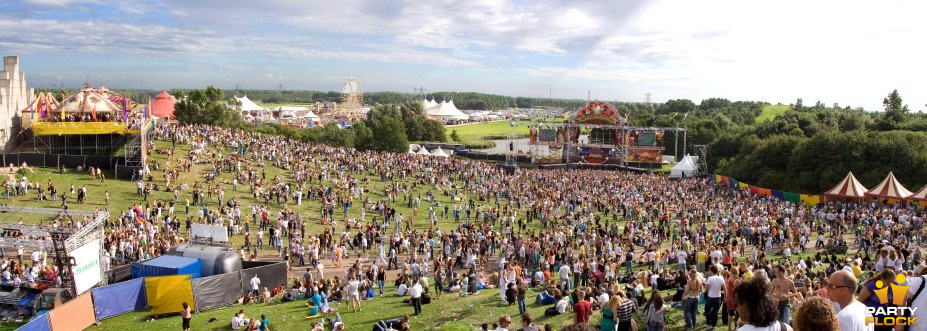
(610, 139)
(352, 99)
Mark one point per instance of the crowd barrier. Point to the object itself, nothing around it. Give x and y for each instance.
(58, 160)
(161, 295)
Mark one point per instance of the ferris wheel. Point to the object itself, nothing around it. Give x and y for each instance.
(352, 97)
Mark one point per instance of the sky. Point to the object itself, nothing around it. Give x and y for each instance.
(848, 52)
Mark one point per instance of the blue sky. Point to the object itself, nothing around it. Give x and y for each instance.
(848, 52)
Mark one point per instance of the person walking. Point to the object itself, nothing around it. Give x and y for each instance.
(715, 288)
(186, 315)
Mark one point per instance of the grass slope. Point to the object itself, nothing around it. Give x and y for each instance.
(770, 112)
(471, 311)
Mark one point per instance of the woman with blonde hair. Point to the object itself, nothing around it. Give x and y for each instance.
(609, 314)
(815, 314)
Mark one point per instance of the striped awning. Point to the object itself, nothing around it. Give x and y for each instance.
(849, 187)
(889, 188)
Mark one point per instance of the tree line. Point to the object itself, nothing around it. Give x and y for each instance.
(388, 127)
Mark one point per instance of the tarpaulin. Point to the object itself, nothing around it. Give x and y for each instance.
(216, 291)
(715, 178)
(793, 197)
(270, 274)
(119, 298)
(763, 191)
(778, 194)
(734, 183)
(78, 128)
(75, 315)
(753, 189)
(810, 200)
(725, 180)
(743, 185)
(166, 294)
(40, 323)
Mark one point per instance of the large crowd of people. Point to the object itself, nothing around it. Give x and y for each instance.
(589, 241)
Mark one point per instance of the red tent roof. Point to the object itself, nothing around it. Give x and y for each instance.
(163, 105)
(889, 188)
(849, 187)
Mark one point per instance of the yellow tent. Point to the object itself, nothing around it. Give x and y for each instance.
(166, 294)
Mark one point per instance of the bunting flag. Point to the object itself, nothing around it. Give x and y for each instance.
(125, 112)
(62, 114)
(778, 194)
(810, 200)
(32, 110)
(93, 113)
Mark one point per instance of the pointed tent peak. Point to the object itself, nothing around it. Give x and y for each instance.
(423, 151)
(889, 188)
(920, 194)
(439, 152)
(849, 187)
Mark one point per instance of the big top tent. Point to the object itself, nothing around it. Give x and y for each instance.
(248, 105)
(889, 188)
(163, 105)
(849, 187)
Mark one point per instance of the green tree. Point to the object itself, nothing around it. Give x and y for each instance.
(363, 137)
(454, 136)
(389, 133)
(895, 110)
(207, 107)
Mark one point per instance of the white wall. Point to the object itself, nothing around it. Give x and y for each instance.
(14, 96)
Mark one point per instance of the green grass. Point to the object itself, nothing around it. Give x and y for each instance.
(476, 135)
(770, 112)
(471, 311)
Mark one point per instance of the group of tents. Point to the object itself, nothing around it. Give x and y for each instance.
(889, 188)
(421, 150)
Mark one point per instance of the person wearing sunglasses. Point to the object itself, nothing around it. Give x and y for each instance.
(841, 288)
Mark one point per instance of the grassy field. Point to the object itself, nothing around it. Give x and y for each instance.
(447, 313)
(475, 135)
(770, 112)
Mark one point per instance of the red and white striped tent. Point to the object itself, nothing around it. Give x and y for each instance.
(889, 188)
(920, 195)
(849, 187)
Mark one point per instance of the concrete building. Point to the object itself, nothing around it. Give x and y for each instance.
(14, 97)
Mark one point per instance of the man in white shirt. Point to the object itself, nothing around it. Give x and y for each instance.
(852, 315)
(255, 286)
(715, 285)
(681, 258)
(917, 284)
(563, 305)
(416, 300)
(564, 273)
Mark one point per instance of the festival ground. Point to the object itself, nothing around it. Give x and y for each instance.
(447, 313)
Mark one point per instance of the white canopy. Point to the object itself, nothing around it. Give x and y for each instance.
(423, 151)
(685, 168)
(412, 148)
(446, 111)
(439, 152)
(248, 105)
(426, 104)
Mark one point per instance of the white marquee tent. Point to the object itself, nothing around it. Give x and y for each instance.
(248, 105)
(685, 168)
(444, 111)
(439, 152)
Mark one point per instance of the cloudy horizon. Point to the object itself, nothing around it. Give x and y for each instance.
(847, 52)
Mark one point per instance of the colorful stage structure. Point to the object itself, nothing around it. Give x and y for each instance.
(90, 122)
(610, 139)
